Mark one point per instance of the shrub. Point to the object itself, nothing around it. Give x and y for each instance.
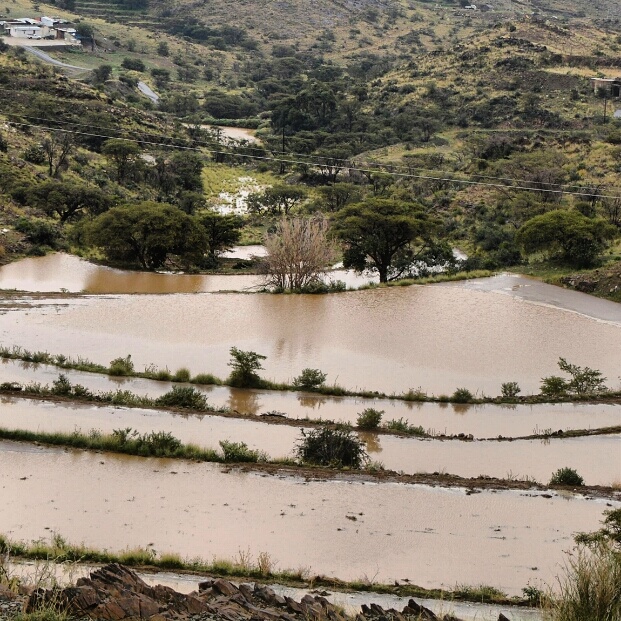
(510, 390)
(462, 395)
(184, 397)
(309, 379)
(121, 366)
(61, 386)
(245, 365)
(566, 476)
(331, 447)
(401, 425)
(159, 443)
(34, 154)
(554, 386)
(133, 64)
(205, 378)
(181, 375)
(584, 380)
(40, 231)
(239, 452)
(369, 418)
(589, 591)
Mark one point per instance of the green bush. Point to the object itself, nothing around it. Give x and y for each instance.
(245, 365)
(61, 386)
(331, 447)
(462, 395)
(34, 154)
(184, 397)
(401, 425)
(309, 379)
(121, 366)
(206, 378)
(40, 231)
(239, 452)
(181, 375)
(133, 64)
(369, 418)
(554, 386)
(510, 390)
(566, 476)
(160, 443)
(584, 380)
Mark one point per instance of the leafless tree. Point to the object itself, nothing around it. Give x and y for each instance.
(299, 253)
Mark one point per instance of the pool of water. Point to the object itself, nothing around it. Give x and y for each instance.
(384, 532)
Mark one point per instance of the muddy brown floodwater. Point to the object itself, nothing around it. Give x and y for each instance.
(482, 421)
(596, 458)
(439, 338)
(431, 536)
(64, 272)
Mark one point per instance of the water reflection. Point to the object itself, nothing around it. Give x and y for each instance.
(244, 401)
(314, 402)
(66, 273)
(371, 440)
(479, 420)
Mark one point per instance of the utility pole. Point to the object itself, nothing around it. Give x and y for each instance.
(605, 107)
(282, 161)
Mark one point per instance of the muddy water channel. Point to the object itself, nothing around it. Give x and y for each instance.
(63, 272)
(482, 421)
(431, 536)
(595, 458)
(436, 337)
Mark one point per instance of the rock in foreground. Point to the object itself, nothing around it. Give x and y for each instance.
(115, 592)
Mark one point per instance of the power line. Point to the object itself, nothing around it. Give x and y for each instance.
(345, 164)
(370, 167)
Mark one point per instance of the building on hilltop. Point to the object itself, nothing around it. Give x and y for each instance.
(610, 87)
(50, 28)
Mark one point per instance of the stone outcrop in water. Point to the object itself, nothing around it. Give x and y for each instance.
(116, 593)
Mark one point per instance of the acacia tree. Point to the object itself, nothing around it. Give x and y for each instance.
(299, 253)
(565, 235)
(122, 154)
(222, 231)
(148, 233)
(69, 200)
(278, 199)
(57, 148)
(379, 235)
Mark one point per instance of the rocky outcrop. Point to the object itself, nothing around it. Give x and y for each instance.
(115, 593)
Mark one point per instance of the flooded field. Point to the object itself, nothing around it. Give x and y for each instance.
(482, 421)
(595, 458)
(430, 536)
(474, 335)
(63, 272)
(439, 338)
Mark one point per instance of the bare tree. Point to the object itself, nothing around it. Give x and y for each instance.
(57, 149)
(299, 253)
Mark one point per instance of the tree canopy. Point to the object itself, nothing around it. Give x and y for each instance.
(222, 231)
(566, 235)
(379, 233)
(148, 233)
